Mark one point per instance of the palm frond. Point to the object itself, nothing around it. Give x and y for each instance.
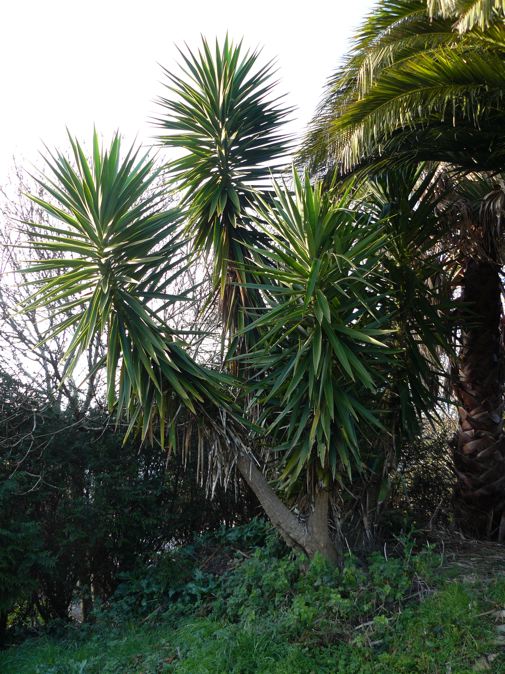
(469, 14)
(410, 71)
(446, 85)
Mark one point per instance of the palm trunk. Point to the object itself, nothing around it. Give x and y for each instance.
(479, 448)
(310, 538)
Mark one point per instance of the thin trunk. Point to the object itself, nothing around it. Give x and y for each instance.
(370, 511)
(312, 538)
(319, 539)
(479, 448)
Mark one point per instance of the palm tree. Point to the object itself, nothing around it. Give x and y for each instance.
(478, 377)
(426, 81)
(415, 88)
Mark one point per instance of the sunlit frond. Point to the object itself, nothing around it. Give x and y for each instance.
(410, 71)
(469, 14)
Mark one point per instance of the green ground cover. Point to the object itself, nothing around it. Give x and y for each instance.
(239, 602)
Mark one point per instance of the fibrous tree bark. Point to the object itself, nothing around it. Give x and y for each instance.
(479, 446)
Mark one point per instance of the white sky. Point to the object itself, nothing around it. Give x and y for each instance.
(77, 63)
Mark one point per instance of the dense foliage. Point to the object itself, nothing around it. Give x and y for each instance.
(79, 509)
(328, 341)
(238, 601)
(353, 301)
(424, 81)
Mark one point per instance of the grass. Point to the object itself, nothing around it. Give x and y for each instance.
(268, 613)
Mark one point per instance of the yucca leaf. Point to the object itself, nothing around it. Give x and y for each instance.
(123, 255)
(220, 113)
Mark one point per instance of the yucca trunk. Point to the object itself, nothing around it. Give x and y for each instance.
(312, 537)
(479, 448)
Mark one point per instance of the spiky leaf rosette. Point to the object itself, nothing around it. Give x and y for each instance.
(321, 353)
(117, 249)
(228, 124)
(417, 281)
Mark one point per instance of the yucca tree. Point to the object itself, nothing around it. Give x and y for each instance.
(224, 117)
(321, 328)
(318, 286)
(322, 360)
(117, 249)
(351, 338)
(426, 81)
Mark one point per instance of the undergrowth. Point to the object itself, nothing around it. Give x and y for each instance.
(239, 602)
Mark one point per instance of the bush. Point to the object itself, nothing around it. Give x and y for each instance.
(81, 511)
(264, 610)
(423, 483)
(316, 602)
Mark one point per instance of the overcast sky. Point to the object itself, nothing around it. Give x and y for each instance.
(79, 63)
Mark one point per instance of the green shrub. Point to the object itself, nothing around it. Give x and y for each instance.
(263, 610)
